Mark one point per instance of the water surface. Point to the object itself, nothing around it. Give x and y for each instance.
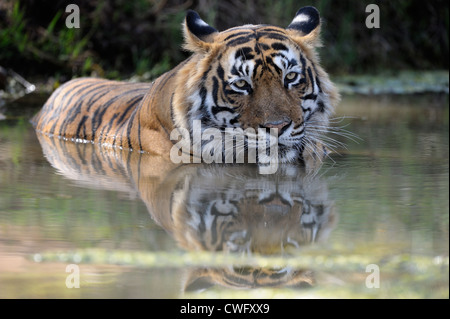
(137, 227)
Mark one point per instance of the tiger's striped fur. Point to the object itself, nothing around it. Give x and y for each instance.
(243, 214)
(253, 76)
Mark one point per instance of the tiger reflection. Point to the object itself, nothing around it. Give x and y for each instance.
(232, 209)
(247, 213)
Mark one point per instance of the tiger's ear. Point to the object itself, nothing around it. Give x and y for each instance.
(305, 27)
(198, 35)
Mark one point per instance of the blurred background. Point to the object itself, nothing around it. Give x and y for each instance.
(119, 39)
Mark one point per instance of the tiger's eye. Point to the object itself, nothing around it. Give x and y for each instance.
(240, 83)
(291, 75)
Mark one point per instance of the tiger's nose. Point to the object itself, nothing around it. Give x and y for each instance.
(280, 125)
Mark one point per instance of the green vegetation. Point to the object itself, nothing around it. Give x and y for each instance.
(404, 82)
(61, 48)
(122, 38)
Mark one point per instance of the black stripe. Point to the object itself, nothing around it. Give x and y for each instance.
(278, 274)
(235, 120)
(139, 133)
(132, 104)
(203, 92)
(271, 35)
(279, 46)
(298, 133)
(260, 46)
(95, 97)
(303, 66)
(220, 72)
(80, 125)
(129, 127)
(241, 40)
(56, 112)
(73, 111)
(106, 128)
(215, 90)
(310, 96)
(237, 35)
(97, 119)
(81, 153)
(217, 109)
(272, 30)
(277, 69)
(96, 162)
(320, 106)
(298, 125)
(244, 52)
(74, 90)
(237, 281)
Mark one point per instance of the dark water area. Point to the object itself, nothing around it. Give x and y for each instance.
(372, 223)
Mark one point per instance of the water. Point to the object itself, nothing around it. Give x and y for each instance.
(373, 222)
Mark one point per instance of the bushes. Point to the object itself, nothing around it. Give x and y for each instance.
(121, 37)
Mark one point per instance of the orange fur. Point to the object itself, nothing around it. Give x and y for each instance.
(140, 116)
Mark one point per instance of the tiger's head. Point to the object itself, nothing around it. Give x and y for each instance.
(259, 77)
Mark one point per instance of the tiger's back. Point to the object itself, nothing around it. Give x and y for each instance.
(92, 110)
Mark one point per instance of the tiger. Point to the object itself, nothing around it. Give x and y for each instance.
(246, 214)
(231, 209)
(251, 77)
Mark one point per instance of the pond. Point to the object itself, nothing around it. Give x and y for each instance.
(78, 221)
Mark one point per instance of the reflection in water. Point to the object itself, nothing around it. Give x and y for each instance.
(232, 209)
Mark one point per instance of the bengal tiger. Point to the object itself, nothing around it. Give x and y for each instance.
(215, 208)
(246, 213)
(247, 77)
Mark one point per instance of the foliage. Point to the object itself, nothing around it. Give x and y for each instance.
(405, 82)
(119, 38)
(67, 47)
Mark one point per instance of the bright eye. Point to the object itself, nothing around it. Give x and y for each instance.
(291, 76)
(241, 84)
